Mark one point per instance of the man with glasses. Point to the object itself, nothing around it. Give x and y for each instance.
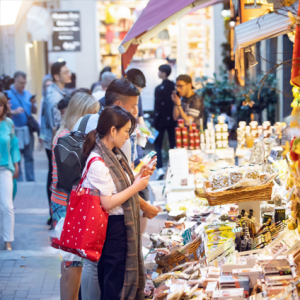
(51, 116)
(190, 107)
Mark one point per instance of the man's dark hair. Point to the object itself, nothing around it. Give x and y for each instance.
(105, 69)
(82, 90)
(120, 89)
(165, 69)
(136, 77)
(63, 103)
(56, 67)
(18, 74)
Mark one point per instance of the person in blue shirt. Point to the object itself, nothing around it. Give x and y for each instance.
(22, 105)
(9, 158)
(51, 116)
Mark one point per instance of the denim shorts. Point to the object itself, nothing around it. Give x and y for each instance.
(68, 264)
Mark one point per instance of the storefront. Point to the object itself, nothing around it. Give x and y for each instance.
(188, 44)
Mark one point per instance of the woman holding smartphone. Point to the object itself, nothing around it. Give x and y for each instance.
(120, 269)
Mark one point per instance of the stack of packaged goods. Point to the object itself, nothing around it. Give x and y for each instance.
(210, 138)
(221, 133)
(187, 138)
(246, 134)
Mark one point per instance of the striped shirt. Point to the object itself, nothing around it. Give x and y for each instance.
(194, 107)
(57, 196)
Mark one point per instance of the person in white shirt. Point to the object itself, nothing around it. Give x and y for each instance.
(112, 176)
(123, 93)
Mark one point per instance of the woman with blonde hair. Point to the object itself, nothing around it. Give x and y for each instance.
(9, 169)
(80, 105)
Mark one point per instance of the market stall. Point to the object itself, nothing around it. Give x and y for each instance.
(230, 229)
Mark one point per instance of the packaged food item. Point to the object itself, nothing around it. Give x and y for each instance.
(210, 288)
(214, 272)
(229, 282)
(234, 294)
(218, 236)
(219, 226)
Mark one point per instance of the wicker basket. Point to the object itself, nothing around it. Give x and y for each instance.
(252, 193)
(168, 262)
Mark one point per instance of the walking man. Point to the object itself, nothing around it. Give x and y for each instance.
(22, 106)
(51, 116)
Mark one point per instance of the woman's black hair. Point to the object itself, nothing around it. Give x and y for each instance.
(111, 116)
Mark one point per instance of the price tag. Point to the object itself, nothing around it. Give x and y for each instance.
(273, 155)
(200, 250)
(187, 236)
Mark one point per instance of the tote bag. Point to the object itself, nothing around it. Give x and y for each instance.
(84, 230)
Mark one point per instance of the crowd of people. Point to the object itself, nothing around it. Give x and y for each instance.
(111, 109)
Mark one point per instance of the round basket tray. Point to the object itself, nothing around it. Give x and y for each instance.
(243, 194)
(168, 262)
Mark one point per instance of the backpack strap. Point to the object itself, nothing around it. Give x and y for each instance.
(83, 123)
(97, 158)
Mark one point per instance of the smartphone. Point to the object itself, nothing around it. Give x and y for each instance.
(152, 162)
(150, 165)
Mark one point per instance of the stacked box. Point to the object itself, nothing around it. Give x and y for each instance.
(229, 282)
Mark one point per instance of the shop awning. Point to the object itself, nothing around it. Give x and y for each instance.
(262, 28)
(156, 16)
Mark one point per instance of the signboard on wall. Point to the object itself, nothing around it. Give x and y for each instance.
(248, 10)
(66, 31)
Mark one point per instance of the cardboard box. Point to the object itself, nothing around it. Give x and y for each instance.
(233, 294)
(279, 280)
(252, 273)
(210, 288)
(214, 272)
(230, 282)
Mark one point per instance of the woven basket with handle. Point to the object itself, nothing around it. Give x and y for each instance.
(168, 262)
(243, 194)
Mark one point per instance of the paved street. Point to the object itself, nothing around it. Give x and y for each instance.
(31, 270)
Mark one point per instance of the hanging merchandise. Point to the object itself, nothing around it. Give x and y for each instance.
(295, 79)
(110, 14)
(110, 34)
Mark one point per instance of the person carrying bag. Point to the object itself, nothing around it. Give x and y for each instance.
(120, 268)
(32, 124)
(85, 223)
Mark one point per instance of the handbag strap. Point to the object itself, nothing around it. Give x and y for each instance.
(96, 158)
(20, 103)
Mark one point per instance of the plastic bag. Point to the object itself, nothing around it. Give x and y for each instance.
(258, 151)
(66, 256)
(171, 289)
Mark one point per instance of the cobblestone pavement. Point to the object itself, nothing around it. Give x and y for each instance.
(31, 270)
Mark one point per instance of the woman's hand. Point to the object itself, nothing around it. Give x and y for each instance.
(141, 183)
(146, 170)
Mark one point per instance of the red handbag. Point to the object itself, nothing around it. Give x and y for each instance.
(85, 225)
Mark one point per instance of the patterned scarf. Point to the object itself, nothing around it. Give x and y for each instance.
(116, 162)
